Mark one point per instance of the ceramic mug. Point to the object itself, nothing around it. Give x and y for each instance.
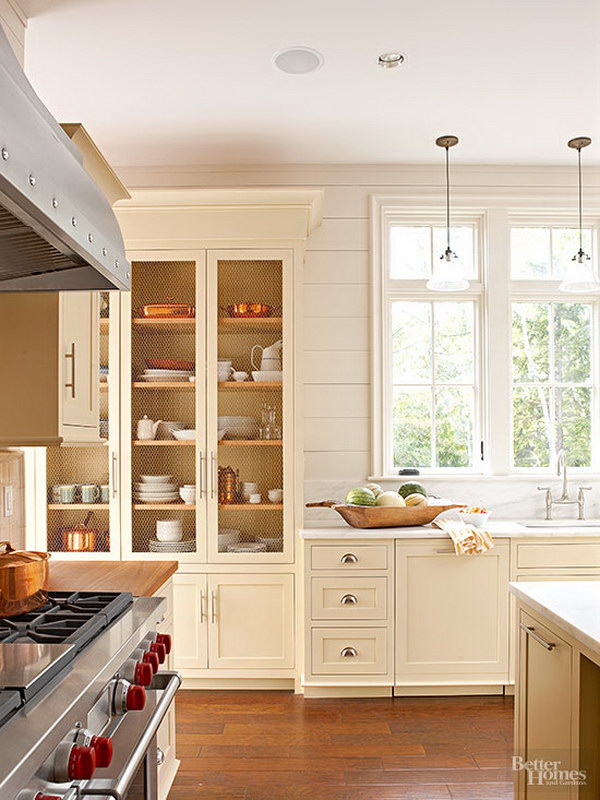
(89, 493)
(249, 488)
(254, 499)
(275, 495)
(67, 492)
(240, 376)
(105, 493)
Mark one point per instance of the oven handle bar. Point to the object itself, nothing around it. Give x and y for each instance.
(168, 683)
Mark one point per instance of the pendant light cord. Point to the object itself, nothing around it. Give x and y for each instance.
(448, 197)
(580, 202)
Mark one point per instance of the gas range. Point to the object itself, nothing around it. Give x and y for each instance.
(70, 673)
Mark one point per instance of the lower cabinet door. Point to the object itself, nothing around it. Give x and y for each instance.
(452, 614)
(544, 706)
(251, 621)
(190, 606)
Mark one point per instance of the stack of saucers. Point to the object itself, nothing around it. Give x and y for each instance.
(185, 546)
(166, 375)
(155, 489)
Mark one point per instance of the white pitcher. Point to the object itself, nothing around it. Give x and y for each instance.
(270, 357)
(146, 428)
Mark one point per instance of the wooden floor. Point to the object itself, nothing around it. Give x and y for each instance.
(277, 746)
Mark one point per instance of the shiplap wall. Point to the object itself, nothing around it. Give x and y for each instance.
(336, 332)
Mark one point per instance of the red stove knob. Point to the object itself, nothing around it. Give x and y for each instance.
(160, 650)
(152, 659)
(40, 796)
(165, 638)
(103, 747)
(135, 700)
(143, 674)
(82, 763)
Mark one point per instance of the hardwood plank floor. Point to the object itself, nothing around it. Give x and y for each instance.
(279, 746)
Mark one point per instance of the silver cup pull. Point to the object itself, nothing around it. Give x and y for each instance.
(349, 652)
(349, 599)
(349, 558)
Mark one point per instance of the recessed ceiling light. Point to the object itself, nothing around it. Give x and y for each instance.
(387, 60)
(298, 60)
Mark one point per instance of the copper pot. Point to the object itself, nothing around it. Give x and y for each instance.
(79, 540)
(249, 310)
(23, 580)
(167, 311)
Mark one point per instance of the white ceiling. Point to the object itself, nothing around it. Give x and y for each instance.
(180, 82)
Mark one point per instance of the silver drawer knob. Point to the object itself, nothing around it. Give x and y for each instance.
(349, 652)
(349, 599)
(349, 558)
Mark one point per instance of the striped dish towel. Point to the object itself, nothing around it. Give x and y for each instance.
(468, 539)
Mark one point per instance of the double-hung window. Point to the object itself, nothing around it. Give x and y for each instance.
(496, 379)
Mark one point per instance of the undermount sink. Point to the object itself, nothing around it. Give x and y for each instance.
(562, 523)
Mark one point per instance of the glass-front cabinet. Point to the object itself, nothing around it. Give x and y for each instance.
(196, 393)
(77, 500)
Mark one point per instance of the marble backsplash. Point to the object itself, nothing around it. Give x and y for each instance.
(514, 497)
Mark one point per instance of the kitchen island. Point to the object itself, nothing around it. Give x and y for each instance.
(557, 737)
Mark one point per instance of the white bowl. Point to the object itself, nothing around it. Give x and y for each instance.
(473, 518)
(267, 376)
(227, 536)
(184, 436)
(188, 496)
(155, 478)
(169, 535)
(172, 524)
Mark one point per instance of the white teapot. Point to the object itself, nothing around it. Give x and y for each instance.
(146, 428)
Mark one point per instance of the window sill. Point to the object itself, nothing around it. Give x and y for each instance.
(475, 476)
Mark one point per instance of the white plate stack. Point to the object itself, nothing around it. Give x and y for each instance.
(155, 489)
(166, 375)
(184, 546)
(239, 427)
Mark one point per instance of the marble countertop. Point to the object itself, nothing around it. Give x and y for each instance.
(574, 606)
(499, 529)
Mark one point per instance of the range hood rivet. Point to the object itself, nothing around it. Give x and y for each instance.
(32, 180)
(4, 154)
(117, 264)
(74, 222)
(128, 275)
(104, 251)
(90, 237)
(54, 202)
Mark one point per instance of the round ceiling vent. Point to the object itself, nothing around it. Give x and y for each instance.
(298, 60)
(388, 60)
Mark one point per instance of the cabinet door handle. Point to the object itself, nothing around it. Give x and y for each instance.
(213, 606)
(115, 482)
(202, 606)
(530, 631)
(348, 652)
(71, 385)
(349, 599)
(349, 558)
(213, 473)
(201, 474)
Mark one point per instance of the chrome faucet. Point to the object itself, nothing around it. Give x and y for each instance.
(564, 499)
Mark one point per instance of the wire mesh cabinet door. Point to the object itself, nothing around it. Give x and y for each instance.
(249, 399)
(163, 407)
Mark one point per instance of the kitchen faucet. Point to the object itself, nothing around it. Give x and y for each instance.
(564, 499)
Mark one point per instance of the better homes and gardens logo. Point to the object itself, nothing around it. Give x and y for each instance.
(548, 773)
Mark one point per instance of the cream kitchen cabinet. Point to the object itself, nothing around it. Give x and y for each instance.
(51, 352)
(545, 703)
(236, 623)
(451, 615)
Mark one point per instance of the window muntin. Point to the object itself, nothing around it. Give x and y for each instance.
(552, 396)
(544, 252)
(433, 348)
(415, 249)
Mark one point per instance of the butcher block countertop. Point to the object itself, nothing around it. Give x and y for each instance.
(141, 578)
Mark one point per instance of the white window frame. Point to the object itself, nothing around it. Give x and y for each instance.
(494, 293)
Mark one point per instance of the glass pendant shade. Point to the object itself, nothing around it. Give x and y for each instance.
(579, 277)
(446, 275)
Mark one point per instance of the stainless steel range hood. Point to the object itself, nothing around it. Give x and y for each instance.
(58, 232)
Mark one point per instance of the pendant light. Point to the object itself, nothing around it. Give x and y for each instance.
(445, 278)
(579, 277)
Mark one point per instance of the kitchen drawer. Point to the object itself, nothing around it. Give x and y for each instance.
(559, 555)
(352, 598)
(349, 651)
(349, 557)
